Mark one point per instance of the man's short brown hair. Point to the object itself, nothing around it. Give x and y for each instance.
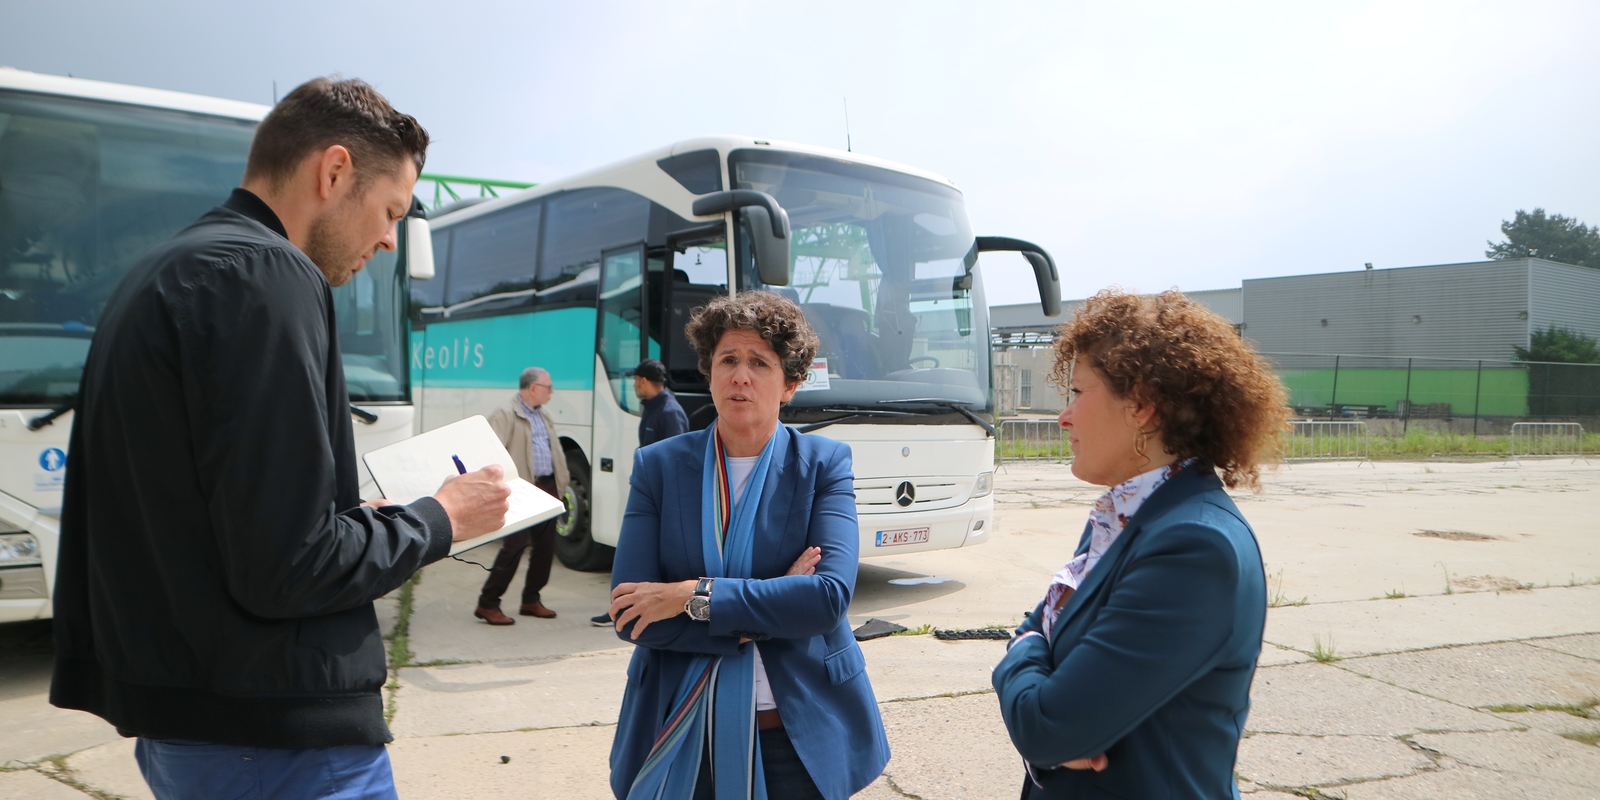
(777, 320)
(323, 112)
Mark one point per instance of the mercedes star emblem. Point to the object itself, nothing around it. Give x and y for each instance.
(905, 494)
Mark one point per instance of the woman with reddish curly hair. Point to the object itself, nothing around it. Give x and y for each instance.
(1132, 677)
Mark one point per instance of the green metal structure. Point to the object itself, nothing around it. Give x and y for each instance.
(444, 193)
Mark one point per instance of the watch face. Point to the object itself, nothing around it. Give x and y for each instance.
(699, 608)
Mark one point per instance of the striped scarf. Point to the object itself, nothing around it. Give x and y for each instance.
(716, 701)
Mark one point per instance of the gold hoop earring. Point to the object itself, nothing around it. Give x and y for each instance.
(1138, 444)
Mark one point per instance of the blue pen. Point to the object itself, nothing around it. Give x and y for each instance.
(460, 467)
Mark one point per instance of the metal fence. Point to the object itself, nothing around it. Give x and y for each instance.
(1533, 439)
(1327, 441)
(1469, 396)
(1032, 440)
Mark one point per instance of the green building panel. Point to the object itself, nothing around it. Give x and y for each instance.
(1503, 392)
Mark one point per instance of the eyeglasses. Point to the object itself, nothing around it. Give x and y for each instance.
(542, 385)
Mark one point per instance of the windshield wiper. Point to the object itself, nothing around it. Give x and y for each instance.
(54, 414)
(953, 406)
(850, 414)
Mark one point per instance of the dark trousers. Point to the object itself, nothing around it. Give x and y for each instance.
(540, 542)
(787, 778)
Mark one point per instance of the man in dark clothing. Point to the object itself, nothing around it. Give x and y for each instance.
(217, 569)
(661, 417)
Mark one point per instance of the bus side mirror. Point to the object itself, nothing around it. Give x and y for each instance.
(772, 252)
(768, 224)
(419, 249)
(1044, 267)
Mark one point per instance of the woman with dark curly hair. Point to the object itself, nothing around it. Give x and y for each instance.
(734, 570)
(1132, 677)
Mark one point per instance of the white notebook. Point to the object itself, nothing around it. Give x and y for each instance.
(416, 467)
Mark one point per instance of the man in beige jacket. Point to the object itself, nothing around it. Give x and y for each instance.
(528, 433)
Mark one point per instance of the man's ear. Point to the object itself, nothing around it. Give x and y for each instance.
(335, 172)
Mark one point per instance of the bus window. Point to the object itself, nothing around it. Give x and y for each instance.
(430, 293)
(368, 315)
(579, 225)
(620, 320)
(86, 189)
(494, 254)
(699, 273)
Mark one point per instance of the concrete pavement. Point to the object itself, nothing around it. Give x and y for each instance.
(1480, 681)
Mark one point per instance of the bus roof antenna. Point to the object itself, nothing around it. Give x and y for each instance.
(847, 125)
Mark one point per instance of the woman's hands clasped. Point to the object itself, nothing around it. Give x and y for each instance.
(640, 604)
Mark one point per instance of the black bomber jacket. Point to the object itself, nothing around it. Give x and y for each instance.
(216, 569)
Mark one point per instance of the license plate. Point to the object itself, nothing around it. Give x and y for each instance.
(908, 536)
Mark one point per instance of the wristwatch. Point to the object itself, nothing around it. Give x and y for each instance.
(699, 606)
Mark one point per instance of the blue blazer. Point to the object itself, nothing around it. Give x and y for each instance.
(813, 664)
(1152, 657)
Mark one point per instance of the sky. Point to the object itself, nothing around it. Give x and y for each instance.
(1146, 145)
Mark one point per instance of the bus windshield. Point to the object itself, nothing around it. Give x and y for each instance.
(883, 266)
(87, 188)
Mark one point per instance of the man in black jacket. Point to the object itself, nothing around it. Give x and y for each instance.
(217, 569)
(660, 416)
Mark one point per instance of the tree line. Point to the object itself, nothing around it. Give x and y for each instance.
(1554, 238)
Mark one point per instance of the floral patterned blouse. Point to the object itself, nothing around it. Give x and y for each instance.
(1106, 520)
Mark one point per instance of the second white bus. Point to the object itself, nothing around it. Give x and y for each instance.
(588, 275)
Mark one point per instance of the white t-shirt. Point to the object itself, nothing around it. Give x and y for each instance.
(738, 475)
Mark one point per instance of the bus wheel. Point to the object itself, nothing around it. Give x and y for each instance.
(574, 546)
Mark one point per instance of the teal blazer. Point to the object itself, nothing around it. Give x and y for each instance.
(1152, 657)
(816, 669)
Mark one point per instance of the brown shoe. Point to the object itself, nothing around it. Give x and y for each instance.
(537, 610)
(493, 616)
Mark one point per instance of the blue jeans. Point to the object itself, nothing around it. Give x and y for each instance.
(179, 770)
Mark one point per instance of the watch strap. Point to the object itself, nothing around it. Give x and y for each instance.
(703, 587)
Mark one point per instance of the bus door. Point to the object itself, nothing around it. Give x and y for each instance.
(620, 346)
(691, 271)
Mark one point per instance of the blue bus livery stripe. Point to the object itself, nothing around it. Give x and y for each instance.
(491, 352)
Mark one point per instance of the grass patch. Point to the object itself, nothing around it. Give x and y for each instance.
(399, 645)
(1323, 653)
(1583, 710)
(920, 630)
(1013, 449)
(1279, 599)
(1394, 594)
(1429, 444)
(1590, 738)
(56, 769)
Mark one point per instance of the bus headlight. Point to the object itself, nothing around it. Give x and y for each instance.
(985, 485)
(19, 550)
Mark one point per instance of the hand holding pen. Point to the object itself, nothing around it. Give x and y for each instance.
(477, 501)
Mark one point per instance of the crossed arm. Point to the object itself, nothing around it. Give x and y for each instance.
(807, 599)
(1163, 624)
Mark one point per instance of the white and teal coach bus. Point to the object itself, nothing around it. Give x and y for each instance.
(586, 276)
(93, 175)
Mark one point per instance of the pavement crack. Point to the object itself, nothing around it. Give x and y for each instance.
(940, 696)
(55, 768)
(895, 787)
